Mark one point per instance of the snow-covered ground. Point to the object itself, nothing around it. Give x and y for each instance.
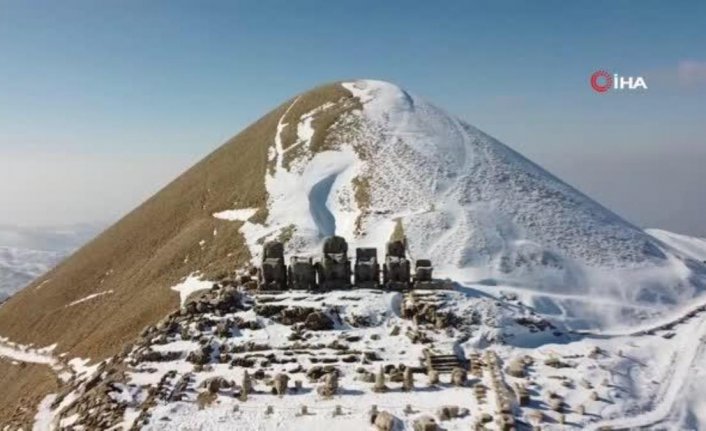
(689, 246)
(621, 380)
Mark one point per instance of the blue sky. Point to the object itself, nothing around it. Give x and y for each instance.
(139, 81)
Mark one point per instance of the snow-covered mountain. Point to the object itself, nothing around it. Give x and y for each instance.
(153, 324)
(481, 211)
(28, 252)
(20, 266)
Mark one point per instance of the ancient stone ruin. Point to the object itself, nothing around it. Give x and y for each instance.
(334, 270)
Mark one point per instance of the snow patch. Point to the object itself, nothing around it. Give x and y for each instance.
(44, 417)
(22, 353)
(89, 297)
(81, 368)
(42, 284)
(190, 285)
(242, 214)
(316, 197)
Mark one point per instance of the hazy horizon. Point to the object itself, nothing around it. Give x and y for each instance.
(108, 192)
(103, 104)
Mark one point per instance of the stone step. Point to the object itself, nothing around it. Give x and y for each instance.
(446, 368)
(445, 364)
(449, 361)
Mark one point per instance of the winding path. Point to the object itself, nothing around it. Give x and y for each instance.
(687, 355)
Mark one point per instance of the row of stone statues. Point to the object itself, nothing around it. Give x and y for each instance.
(333, 269)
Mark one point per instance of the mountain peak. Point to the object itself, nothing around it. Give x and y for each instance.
(368, 161)
(365, 158)
(362, 159)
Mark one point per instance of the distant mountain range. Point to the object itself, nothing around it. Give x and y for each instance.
(28, 252)
(19, 266)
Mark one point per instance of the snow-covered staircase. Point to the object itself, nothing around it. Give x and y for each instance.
(443, 362)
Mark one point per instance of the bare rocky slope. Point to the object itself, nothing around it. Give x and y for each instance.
(148, 251)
